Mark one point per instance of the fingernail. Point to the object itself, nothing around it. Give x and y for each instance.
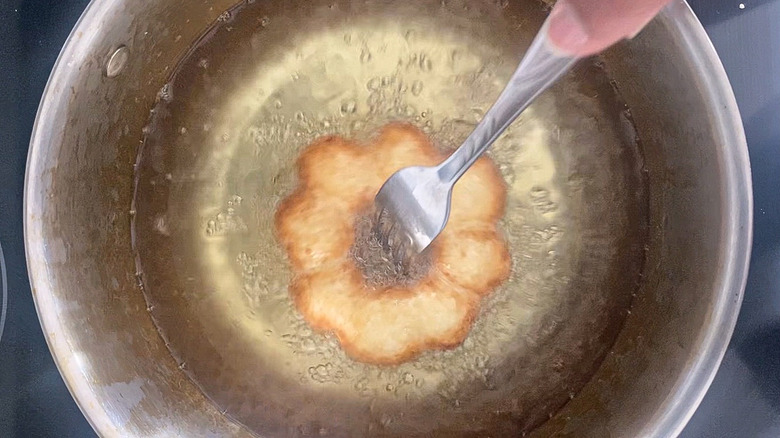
(567, 29)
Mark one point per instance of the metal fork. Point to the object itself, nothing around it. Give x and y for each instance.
(416, 200)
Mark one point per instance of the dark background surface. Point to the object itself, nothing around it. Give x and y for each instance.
(744, 400)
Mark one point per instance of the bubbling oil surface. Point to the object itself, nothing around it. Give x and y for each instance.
(219, 155)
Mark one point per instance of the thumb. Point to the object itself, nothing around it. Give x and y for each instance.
(585, 27)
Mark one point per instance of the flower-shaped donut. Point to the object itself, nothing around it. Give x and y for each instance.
(316, 224)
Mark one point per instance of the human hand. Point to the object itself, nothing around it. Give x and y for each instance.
(586, 27)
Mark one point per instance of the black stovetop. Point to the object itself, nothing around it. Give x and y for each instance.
(744, 400)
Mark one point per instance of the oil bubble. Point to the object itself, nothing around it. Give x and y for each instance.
(417, 87)
(348, 107)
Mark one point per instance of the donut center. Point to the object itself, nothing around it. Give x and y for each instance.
(385, 264)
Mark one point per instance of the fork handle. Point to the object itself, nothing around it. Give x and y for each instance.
(539, 69)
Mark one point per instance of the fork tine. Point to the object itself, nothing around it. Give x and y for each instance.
(399, 253)
(391, 229)
(378, 213)
(387, 228)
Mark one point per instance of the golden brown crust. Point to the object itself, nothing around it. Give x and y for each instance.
(316, 225)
